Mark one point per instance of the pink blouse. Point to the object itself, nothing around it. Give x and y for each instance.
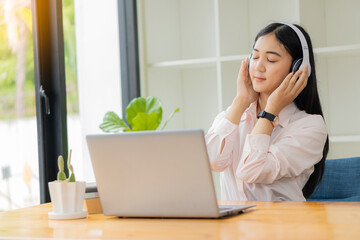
(262, 167)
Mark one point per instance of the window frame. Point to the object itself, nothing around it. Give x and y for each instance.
(129, 52)
(49, 69)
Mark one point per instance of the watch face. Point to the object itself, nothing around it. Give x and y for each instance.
(261, 114)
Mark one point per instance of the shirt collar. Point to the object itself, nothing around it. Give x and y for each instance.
(284, 115)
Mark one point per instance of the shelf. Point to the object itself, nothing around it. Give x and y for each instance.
(339, 50)
(196, 63)
(234, 58)
(338, 139)
(328, 51)
(186, 63)
(204, 62)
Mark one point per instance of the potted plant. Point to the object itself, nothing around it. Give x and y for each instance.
(141, 114)
(67, 194)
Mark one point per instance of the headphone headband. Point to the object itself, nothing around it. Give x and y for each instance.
(304, 47)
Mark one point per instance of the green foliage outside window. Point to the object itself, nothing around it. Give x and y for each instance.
(8, 64)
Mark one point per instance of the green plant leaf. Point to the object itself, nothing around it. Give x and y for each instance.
(113, 123)
(61, 176)
(170, 117)
(61, 163)
(72, 176)
(145, 121)
(142, 105)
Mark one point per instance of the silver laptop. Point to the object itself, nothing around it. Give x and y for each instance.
(155, 174)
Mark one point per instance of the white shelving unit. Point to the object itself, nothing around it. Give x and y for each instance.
(191, 52)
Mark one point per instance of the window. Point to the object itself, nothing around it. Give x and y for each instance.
(98, 75)
(19, 176)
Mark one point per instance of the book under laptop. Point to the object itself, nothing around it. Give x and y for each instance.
(155, 174)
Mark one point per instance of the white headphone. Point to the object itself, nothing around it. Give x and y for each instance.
(305, 60)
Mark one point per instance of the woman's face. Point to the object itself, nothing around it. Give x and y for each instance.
(269, 65)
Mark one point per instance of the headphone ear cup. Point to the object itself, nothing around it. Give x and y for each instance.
(295, 65)
(249, 61)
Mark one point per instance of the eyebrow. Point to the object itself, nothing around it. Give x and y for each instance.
(271, 52)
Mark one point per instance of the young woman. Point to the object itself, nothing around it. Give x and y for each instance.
(271, 143)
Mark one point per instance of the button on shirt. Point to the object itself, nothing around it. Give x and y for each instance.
(261, 167)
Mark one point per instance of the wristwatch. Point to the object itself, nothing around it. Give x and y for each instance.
(271, 117)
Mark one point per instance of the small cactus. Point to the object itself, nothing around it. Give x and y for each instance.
(72, 175)
(61, 176)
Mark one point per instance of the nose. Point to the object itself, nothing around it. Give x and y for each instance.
(259, 64)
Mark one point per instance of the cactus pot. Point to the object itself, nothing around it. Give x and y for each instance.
(67, 200)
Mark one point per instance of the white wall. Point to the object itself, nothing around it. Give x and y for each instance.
(98, 65)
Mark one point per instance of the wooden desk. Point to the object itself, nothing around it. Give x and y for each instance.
(268, 220)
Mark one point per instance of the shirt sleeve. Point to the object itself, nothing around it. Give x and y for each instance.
(222, 129)
(298, 150)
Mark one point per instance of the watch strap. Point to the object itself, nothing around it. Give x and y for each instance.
(264, 114)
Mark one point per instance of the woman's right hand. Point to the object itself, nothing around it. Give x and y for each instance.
(245, 90)
(245, 95)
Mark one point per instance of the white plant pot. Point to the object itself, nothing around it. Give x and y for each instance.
(67, 199)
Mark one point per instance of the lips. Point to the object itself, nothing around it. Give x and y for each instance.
(259, 79)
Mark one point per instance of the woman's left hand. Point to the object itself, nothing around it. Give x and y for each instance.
(288, 90)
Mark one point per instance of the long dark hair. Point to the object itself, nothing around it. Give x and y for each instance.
(308, 99)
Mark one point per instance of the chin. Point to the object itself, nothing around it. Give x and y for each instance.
(258, 89)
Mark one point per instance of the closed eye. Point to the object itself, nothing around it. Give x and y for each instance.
(271, 61)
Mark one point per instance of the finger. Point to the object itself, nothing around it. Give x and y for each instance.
(245, 64)
(303, 77)
(292, 88)
(244, 69)
(285, 82)
(306, 71)
(248, 70)
(301, 82)
(243, 76)
(295, 77)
